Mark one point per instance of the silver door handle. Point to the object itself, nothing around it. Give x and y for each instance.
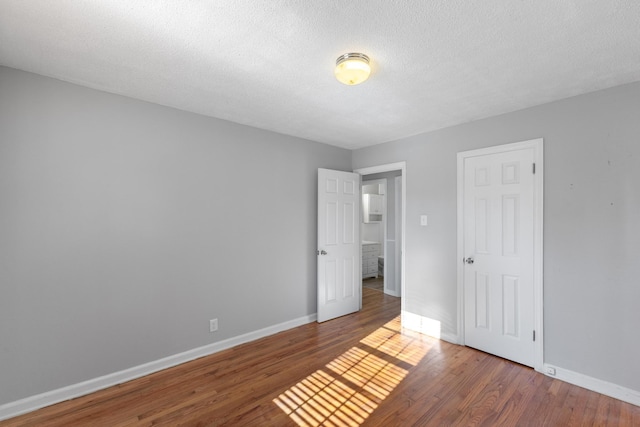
(469, 260)
(322, 252)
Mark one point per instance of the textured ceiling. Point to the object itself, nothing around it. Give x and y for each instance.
(269, 64)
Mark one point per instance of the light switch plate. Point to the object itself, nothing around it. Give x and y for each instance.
(423, 220)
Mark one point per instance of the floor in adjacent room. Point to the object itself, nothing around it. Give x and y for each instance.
(376, 283)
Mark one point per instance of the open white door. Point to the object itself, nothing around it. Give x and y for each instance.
(338, 243)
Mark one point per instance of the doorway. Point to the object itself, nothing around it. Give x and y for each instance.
(383, 226)
(500, 251)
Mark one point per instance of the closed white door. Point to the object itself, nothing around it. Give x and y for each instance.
(338, 244)
(498, 220)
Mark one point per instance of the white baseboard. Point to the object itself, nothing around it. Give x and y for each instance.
(22, 406)
(432, 328)
(426, 326)
(595, 384)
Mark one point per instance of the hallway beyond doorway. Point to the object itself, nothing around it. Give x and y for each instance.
(375, 283)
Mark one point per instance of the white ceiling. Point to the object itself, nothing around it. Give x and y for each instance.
(269, 64)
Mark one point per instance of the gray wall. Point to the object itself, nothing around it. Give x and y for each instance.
(591, 228)
(125, 226)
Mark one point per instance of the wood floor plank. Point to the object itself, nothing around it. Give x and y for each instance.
(516, 396)
(358, 370)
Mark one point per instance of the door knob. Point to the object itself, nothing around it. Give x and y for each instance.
(322, 252)
(469, 260)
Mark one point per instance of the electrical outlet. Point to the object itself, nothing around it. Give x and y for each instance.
(551, 370)
(213, 325)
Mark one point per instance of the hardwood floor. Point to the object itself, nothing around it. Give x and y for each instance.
(361, 369)
(376, 283)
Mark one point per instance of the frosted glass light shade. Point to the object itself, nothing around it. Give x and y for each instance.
(352, 68)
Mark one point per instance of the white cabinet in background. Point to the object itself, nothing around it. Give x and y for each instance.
(370, 253)
(372, 207)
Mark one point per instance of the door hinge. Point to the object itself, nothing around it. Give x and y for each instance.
(534, 335)
(534, 169)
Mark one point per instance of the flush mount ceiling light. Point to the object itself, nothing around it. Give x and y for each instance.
(352, 68)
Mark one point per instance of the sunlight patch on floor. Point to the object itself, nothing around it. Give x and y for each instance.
(352, 385)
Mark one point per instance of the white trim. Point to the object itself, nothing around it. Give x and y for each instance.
(594, 384)
(22, 406)
(390, 167)
(538, 154)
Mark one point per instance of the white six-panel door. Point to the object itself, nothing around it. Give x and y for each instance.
(338, 252)
(498, 222)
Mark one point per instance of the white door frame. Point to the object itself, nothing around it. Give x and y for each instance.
(538, 182)
(390, 167)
